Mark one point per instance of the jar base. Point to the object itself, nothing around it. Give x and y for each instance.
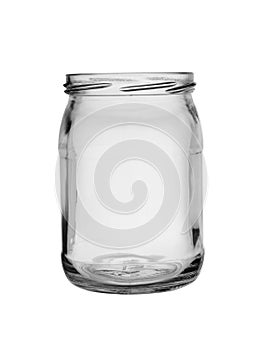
(134, 277)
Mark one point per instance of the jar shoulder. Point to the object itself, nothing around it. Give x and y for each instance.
(178, 118)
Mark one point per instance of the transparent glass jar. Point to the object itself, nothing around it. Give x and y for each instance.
(130, 150)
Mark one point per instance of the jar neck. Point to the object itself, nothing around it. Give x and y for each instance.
(125, 84)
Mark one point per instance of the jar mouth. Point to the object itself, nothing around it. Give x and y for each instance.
(123, 84)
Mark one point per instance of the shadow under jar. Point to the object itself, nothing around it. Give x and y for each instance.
(130, 150)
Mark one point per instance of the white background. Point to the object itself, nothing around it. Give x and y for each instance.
(221, 42)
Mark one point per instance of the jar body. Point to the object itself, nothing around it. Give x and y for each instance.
(131, 191)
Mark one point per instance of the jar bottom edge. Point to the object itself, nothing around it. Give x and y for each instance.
(140, 279)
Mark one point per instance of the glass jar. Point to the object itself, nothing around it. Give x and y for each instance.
(130, 150)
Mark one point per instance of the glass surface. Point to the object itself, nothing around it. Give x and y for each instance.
(131, 182)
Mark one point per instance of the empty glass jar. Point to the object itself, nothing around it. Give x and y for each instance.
(130, 150)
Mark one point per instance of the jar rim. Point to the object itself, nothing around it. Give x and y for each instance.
(125, 83)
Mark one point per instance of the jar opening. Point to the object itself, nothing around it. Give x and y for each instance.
(123, 84)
